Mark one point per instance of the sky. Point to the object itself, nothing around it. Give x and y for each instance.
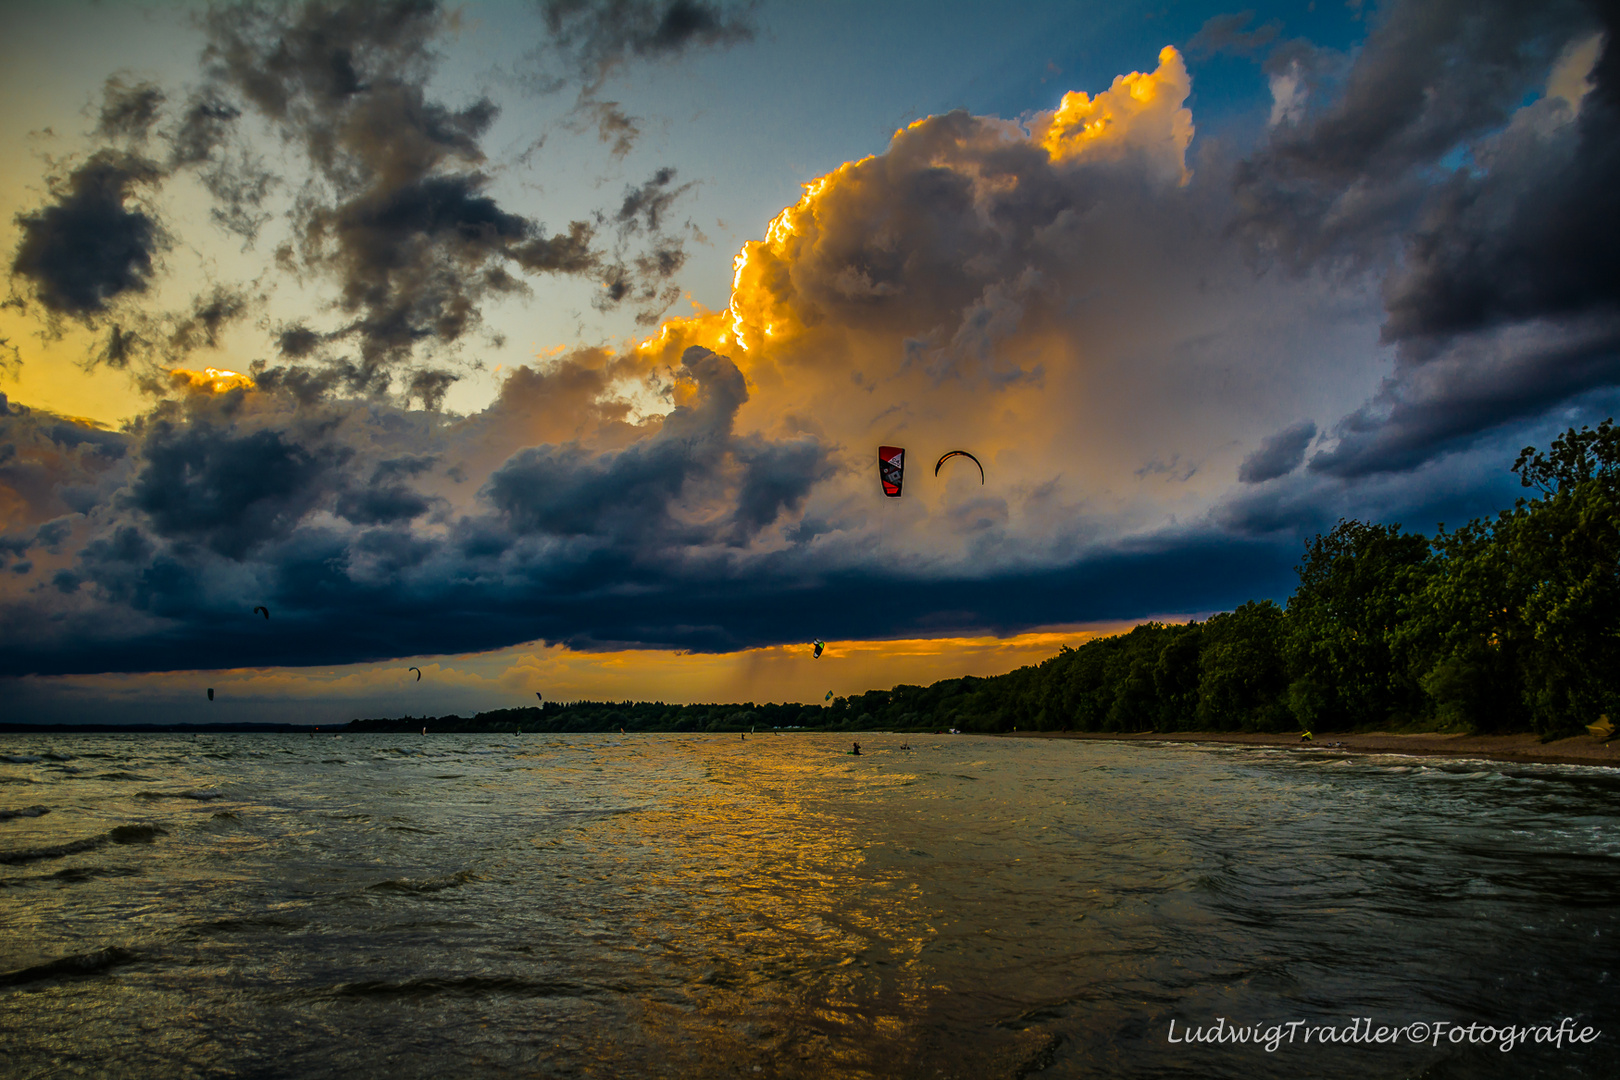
(547, 346)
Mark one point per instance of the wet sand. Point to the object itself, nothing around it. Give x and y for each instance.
(1527, 749)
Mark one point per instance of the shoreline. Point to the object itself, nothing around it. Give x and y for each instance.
(1523, 749)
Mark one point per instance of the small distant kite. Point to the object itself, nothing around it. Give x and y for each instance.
(828, 697)
(818, 645)
(962, 453)
(418, 673)
(210, 693)
(538, 697)
(262, 610)
(891, 469)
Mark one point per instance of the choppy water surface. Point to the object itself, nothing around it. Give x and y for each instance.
(664, 905)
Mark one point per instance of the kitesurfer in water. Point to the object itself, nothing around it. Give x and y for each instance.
(857, 750)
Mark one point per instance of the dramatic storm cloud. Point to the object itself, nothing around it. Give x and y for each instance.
(1138, 335)
(1471, 157)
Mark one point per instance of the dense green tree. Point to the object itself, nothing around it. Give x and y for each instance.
(1564, 549)
(1358, 585)
(1242, 674)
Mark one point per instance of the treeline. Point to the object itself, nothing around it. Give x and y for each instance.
(583, 716)
(1510, 623)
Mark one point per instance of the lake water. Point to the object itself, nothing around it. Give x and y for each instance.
(706, 906)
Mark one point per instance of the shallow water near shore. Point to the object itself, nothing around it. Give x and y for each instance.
(673, 905)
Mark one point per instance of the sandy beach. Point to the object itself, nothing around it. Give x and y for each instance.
(1525, 748)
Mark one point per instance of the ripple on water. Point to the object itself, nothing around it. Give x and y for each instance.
(1044, 915)
(82, 965)
(424, 886)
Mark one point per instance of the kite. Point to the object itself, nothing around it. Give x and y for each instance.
(418, 673)
(210, 693)
(538, 698)
(818, 644)
(828, 697)
(963, 453)
(262, 610)
(891, 469)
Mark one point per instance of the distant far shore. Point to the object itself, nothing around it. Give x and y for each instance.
(1525, 748)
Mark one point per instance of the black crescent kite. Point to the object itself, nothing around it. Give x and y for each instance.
(418, 673)
(961, 453)
(262, 610)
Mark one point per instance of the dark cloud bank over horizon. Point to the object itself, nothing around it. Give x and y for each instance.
(1440, 160)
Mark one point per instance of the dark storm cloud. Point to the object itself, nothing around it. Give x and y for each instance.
(1477, 383)
(1492, 221)
(53, 468)
(1535, 235)
(608, 599)
(777, 478)
(227, 491)
(595, 36)
(634, 497)
(88, 246)
(1279, 454)
(1432, 75)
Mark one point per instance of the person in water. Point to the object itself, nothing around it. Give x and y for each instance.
(857, 749)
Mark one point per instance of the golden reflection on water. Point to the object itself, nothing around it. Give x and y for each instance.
(706, 905)
(782, 900)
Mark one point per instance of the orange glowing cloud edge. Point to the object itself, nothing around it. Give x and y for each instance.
(212, 380)
(1141, 110)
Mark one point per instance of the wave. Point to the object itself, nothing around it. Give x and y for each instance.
(90, 873)
(20, 759)
(455, 986)
(248, 924)
(68, 967)
(425, 885)
(121, 776)
(200, 796)
(123, 834)
(30, 811)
